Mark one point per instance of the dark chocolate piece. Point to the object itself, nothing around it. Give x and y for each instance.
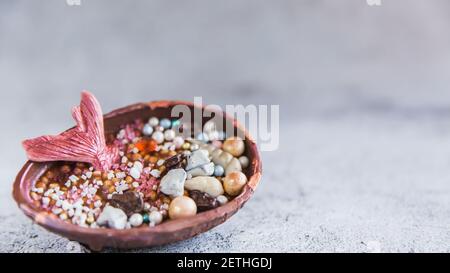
(203, 200)
(174, 162)
(130, 202)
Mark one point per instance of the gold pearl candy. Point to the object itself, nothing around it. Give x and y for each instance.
(186, 146)
(234, 182)
(181, 207)
(234, 145)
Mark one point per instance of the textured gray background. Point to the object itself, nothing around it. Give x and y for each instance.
(365, 108)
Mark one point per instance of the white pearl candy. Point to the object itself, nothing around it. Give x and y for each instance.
(222, 199)
(202, 137)
(155, 217)
(209, 126)
(158, 137)
(194, 147)
(169, 135)
(136, 220)
(153, 121)
(218, 170)
(244, 161)
(178, 141)
(214, 135)
(147, 130)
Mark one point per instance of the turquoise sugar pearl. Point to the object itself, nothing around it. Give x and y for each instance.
(165, 123)
(145, 218)
(176, 123)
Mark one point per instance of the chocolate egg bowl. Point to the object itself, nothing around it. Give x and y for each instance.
(173, 224)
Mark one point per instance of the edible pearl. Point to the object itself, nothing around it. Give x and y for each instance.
(222, 135)
(244, 161)
(186, 146)
(178, 141)
(234, 182)
(153, 121)
(222, 199)
(147, 130)
(202, 137)
(217, 144)
(234, 145)
(158, 137)
(214, 135)
(169, 135)
(165, 123)
(182, 207)
(218, 170)
(176, 123)
(209, 126)
(194, 147)
(136, 220)
(155, 217)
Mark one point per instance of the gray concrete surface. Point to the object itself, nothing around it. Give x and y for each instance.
(364, 161)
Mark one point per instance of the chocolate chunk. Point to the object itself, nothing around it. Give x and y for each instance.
(203, 200)
(174, 162)
(130, 202)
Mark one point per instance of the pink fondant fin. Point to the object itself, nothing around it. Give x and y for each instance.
(84, 143)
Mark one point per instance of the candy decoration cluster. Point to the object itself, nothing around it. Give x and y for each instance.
(147, 175)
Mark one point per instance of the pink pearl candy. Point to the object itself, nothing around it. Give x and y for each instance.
(217, 144)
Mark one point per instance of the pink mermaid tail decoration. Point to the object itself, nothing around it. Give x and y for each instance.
(84, 143)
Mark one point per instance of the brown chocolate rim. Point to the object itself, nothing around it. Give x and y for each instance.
(167, 232)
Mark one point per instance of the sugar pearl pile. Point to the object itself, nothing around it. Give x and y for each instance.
(159, 175)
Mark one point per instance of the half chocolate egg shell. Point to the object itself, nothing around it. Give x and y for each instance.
(167, 232)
